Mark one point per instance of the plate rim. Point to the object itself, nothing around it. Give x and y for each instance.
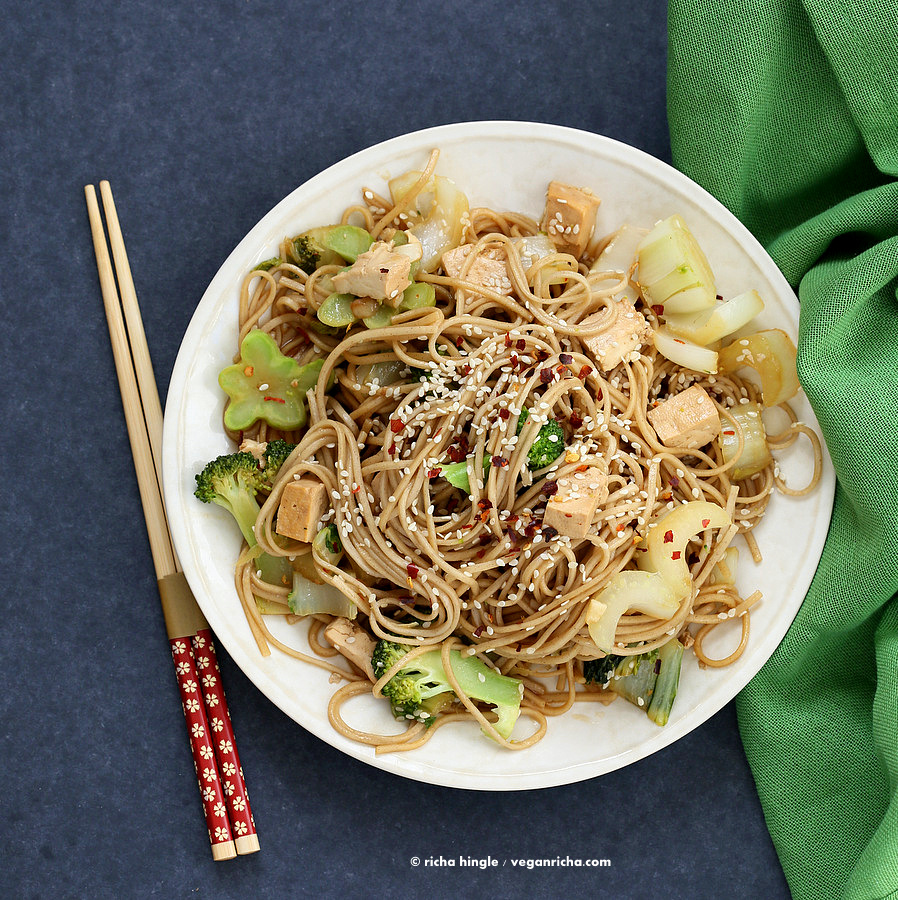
(404, 764)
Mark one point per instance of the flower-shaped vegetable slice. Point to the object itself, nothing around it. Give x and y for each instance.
(267, 385)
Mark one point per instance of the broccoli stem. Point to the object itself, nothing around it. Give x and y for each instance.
(244, 509)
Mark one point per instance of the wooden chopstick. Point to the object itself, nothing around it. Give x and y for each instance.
(222, 787)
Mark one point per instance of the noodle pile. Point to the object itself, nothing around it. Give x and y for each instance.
(428, 565)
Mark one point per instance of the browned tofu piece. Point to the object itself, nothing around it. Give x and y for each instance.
(353, 642)
(380, 272)
(688, 419)
(303, 503)
(487, 269)
(570, 217)
(621, 341)
(571, 509)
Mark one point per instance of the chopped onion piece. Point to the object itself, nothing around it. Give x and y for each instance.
(684, 352)
(754, 454)
(711, 325)
(533, 247)
(308, 598)
(662, 581)
(620, 252)
(443, 227)
(666, 542)
(724, 572)
(673, 270)
(772, 354)
(647, 592)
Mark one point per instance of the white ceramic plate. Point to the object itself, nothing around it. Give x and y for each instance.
(505, 165)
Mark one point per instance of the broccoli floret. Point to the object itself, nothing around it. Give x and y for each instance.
(276, 453)
(232, 481)
(421, 688)
(547, 447)
(305, 253)
(268, 264)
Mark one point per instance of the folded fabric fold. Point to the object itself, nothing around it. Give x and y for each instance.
(787, 111)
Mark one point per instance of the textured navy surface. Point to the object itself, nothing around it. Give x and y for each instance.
(203, 115)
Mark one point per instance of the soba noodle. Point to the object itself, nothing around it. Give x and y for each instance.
(427, 565)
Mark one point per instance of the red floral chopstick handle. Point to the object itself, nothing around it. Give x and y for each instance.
(201, 745)
(233, 784)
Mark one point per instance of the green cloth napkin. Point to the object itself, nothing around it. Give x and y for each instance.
(787, 111)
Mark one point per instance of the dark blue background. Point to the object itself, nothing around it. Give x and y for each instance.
(203, 115)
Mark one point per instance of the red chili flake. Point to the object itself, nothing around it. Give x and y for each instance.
(356, 489)
(668, 537)
(507, 339)
(706, 523)
(675, 555)
(434, 473)
(728, 431)
(620, 527)
(452, 504)
(392, 450)
(678, 341)
(248, 371)
(512, 519)
(458, 450)
(465, 369)
(485, 539)
(520, 344)
(549, 488)
(658, 309)
(561, 369)
(478, 631)
(530, 530)
(459, 342)
(585, 372)
(412, 571)
(674, 482)
(584, 468)
(576, 419)
(514, 360)
(541, 354)
(480, 553)
(566, 358)
(396, 425)
(549, 532)
(483, 503)
(275, 399)
(545, 376)
(499, 461)
(504, 413)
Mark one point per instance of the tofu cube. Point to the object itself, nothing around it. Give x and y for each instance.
(487, 269)
(571, 509)
(626, 335)
(303, 503)
(688, 419)
(380, 273)
(353, 642)
(570, 217)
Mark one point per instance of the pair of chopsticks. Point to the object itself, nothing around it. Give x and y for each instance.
(220, 776)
